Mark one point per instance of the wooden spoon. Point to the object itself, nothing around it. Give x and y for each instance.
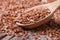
(51, 6)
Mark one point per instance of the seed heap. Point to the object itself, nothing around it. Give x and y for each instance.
(10, 11)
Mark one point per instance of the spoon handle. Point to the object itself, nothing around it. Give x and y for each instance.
(53, 6)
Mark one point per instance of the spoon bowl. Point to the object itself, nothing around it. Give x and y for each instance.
(51, 6)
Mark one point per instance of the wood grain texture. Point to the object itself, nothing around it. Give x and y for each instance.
(8, 37)
(17, 38)
(2, 35)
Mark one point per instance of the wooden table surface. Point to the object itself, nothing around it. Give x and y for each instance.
(3, 36)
